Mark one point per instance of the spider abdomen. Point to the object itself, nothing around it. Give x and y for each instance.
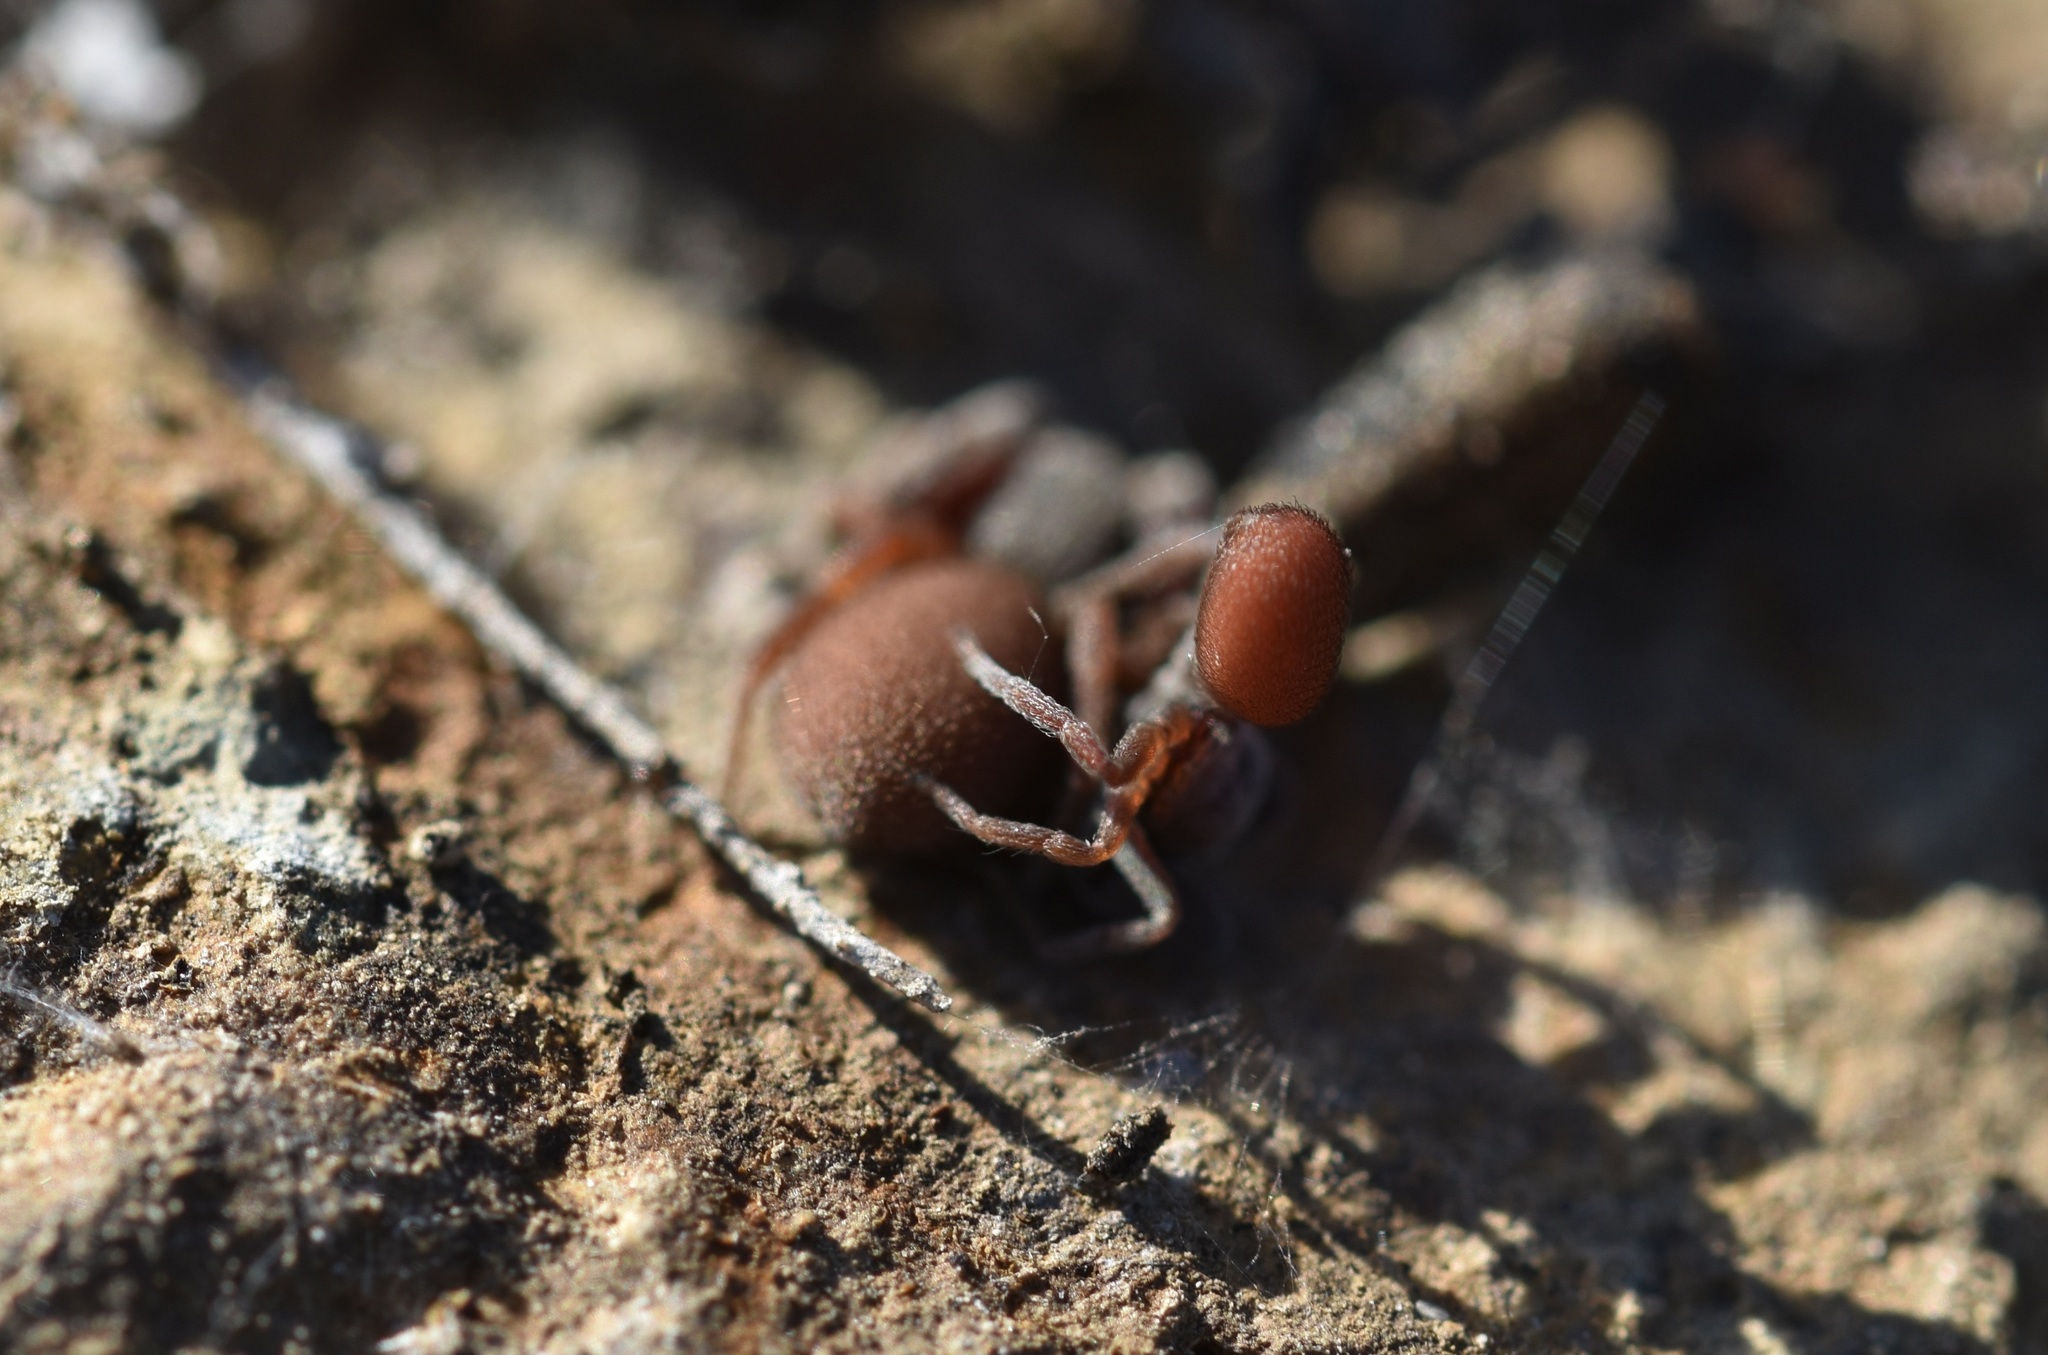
(875, 699)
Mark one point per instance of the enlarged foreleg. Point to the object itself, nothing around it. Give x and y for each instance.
(1051, 843)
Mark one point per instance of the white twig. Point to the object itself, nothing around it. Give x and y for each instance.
(330, 450)
(782, 885)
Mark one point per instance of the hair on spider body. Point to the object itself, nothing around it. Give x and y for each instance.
(873, 700)
(1270, 630)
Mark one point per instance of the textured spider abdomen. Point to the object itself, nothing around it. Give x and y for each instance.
(876, 697)
(1274, 608)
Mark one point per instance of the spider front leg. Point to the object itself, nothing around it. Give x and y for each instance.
(1141, 870)
(1142, 755)
(1088, 606)
(1050, 843)
(1127, 778)
(1051, 718)
(1118, 840)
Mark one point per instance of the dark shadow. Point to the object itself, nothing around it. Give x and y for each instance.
(506, 918)
(2015, 1225)
(294, 744)
(218, 516)
(392, 734)
(1225, 1245)
(933, 1048)
(98, 570)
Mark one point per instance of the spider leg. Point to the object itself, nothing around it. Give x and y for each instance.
(1088, 604)
(1051, 843)
(1127, 777)
(1160, 561)
(1092, 661)
(1142, 755)
(1140, 867)
(1119, 841)
(1051, 718)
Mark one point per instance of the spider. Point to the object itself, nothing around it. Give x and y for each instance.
(918, 703)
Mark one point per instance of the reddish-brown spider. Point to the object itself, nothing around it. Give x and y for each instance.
(904, 673)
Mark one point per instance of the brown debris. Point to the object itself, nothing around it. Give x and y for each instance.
(1126, 1148)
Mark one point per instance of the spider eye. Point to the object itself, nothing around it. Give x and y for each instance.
(1274, 608)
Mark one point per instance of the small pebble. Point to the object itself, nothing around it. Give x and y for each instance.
(437, 845)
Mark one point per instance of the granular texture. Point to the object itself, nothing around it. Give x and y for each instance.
(876, 695)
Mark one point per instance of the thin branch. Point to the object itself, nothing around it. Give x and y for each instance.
(782, 885)
(335, 454)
